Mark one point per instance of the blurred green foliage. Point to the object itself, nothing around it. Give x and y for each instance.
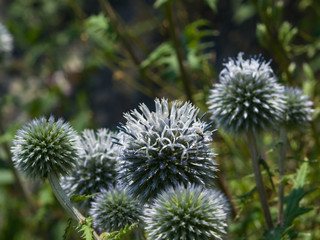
(58, 66)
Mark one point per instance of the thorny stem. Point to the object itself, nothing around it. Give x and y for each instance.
(283, 146)
(177, 46)
(65, 201)
(258, 179)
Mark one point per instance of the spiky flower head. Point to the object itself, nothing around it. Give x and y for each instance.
(5, 40)
(45, 146)
(248, 97)
(96, 166)
(191, 213)
(165, 148)
(298, 111)
(114, 209)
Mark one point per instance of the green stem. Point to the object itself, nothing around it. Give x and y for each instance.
(282, 155)
(65, 201)
(177, 46)
(258, 179)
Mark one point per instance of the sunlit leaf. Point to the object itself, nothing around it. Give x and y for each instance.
(81, 198)
(86, 228)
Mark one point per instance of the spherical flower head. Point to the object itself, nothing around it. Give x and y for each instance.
(5, 40)
(43, 147)
(114, 209)
(165, 148)
(248, 97)
(191, 213)
(96, 165)
(298, 111)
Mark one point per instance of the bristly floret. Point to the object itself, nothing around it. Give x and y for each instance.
(165, 148)
(248, 97)
(114, 209)
(187, 213)
(43, 147)
(298, 108)
(96, 166)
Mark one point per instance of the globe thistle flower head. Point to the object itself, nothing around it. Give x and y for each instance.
(165, 148)
(5, 40)
(298, 108)
(248, 97)
(187, 213)
(114, 209)
(45, 146)
(96, 166)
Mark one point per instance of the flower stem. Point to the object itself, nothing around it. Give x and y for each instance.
(65, 201)
(282, 155)
(258, 179)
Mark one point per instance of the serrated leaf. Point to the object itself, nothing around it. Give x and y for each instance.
(81, 198)
(100, 31)
(86, 228)
(292, 211)
(68, 229)
(118, 235)
(300, 179)
(293, 208)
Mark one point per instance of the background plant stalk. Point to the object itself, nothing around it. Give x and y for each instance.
(283, 146)
(258, 179)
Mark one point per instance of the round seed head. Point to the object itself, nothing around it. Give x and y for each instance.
(298, 108)
(5, 40)
(114, 209)
(96, 165)
(248, 97)
(191, 213)
(165, 148)
(43, 147)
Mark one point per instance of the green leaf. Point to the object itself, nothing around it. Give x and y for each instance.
(81, 198)
(262, 35)
(118, 235)
(86, 228)
(267, 168)
(293, 208)
(100, 31)
(159, 3)
(212, 4)
(163, 57)
(68, 229)
(300, 179)
(286, 34)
